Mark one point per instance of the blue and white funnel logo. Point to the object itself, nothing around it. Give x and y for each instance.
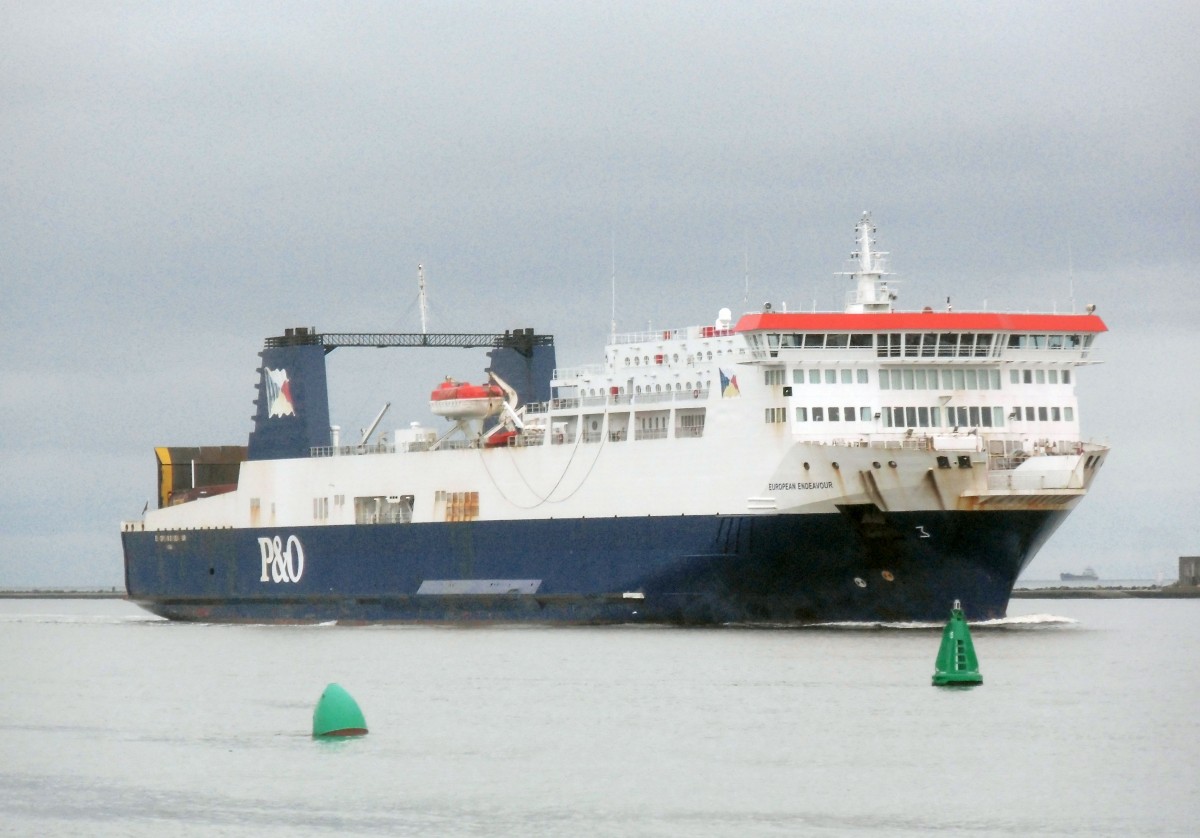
(281, 562)
(279, 393)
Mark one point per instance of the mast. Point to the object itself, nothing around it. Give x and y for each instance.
(421, 296)
(871, 291)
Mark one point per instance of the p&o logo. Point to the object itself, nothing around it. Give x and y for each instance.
(281, 561)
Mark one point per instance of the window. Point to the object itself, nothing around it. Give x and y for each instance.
(835, 415)
(1053, 376)
(837, 341)
(1014, 376)
(1027, 376)
(923, 417)
(1041, 376)
(935, 417)
(1029, 414)
(910, 417)
(774, 415)
(1069, 414)
(884, 380)
(774, 377)
(847, 376)
(818, 414)
(908, 378)
(895, 376)
(997, 417)
(814, 376)
(1066, 376)
(919, 379)
(1055, 415)
(797, 376)
(831, 376)
(1042, 417)
(864, 414)
(802, 414)
(848, 412)
(863, 377)
(994, 377)
(972, 379)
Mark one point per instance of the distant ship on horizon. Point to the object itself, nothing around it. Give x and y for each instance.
(1088, 575)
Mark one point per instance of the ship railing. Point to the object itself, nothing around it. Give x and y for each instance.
(649, 433)
(578, 372)
(593, 436)
(352, 450)
(917, 443)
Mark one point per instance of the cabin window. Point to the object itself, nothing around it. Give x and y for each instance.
(818, 414)
(1042, 415)
(831, 376)
(972, 380)
(835, 414)
(847, 376)
(797, 376)
(802, 414)
(1066, 376)
(919, 379)
(1055, 415)
(1014, 376)
(895, 376)
(1053, 376)
(884, 380)
(935, 417)
(863, 377)
(910, 417)
(1069, 414)
(814, 376)
(864, 414)
(1041, 376)
(923, 417)
(960, 380)
(907, 374)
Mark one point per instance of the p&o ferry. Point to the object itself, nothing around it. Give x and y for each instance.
(870, 464)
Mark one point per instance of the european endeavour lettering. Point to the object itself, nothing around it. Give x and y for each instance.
(792, 487)
(281, 562)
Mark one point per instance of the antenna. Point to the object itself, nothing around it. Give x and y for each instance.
(613, 322)
(1070, 278)
(421, 295)
(746, 266)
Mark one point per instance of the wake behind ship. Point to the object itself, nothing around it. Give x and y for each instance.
(787, 467)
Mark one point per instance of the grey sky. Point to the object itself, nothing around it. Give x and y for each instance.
(180, 180)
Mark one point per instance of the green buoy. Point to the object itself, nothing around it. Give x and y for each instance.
(957, 665)
(337, 714)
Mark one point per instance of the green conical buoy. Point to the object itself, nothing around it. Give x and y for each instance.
(956, 665)
(337, 714)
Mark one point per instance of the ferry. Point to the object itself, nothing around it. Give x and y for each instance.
(781, 467)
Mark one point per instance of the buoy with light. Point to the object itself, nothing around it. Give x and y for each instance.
(338, 714)
(956, 664)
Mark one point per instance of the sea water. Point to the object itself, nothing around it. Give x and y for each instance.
(116, 723)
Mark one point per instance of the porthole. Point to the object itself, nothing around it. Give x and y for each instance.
(806, 466)
(887, 576)
(892, 463)
(876, 464)
(858, 580)
(835, 466)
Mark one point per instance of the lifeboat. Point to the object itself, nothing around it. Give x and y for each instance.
(458, 400)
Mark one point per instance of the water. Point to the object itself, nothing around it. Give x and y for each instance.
(115, 723)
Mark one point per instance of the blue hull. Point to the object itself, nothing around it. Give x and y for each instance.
(856, 565)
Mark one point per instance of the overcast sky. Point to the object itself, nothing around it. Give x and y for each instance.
(180, 180)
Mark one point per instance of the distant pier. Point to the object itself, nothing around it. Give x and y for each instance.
(1165, 592)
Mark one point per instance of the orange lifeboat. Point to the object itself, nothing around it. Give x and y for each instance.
(458, 400)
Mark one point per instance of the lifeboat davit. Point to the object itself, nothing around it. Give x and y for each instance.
(458, 400)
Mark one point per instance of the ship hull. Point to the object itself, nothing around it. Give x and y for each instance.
(857, 564)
